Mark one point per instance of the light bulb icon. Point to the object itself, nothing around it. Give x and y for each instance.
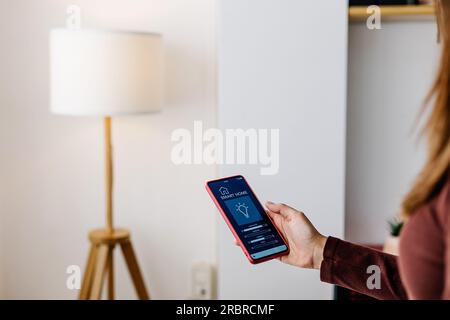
(242, 209)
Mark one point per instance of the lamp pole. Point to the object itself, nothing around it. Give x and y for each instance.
(108, 175)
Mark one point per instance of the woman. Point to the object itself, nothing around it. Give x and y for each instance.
(422, 269)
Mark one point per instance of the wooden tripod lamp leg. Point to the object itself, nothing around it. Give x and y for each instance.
(99, 274)
(135, 272)
(87, 279)
(111, 272)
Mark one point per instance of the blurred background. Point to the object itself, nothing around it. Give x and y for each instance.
(345, 98)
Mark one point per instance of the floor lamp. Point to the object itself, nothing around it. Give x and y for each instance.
(106, 74)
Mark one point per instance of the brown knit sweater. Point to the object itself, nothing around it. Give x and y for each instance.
(422, 269)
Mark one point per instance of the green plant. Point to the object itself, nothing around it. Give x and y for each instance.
(395, 226)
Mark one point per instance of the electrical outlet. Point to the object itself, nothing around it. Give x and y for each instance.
(202, 281)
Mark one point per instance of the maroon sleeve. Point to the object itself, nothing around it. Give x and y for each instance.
(345, 264)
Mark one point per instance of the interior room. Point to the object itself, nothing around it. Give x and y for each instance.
(115, 115)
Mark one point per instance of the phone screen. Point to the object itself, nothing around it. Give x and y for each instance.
(247, 217)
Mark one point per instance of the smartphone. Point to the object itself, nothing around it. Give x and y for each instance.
(248, 221)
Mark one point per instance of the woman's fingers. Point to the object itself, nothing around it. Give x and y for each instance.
(277, 221)
(280, 208)
(276, 218)
(272, 215)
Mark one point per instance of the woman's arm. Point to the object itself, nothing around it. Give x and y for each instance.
(340, 262)
(361, 269)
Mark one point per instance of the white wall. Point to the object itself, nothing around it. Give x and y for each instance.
(282, 64)
(2, 242)
(52, 166)
(390, 72)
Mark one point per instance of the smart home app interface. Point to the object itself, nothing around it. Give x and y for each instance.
(247, 216)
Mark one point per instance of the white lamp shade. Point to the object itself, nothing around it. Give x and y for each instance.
(105, 73)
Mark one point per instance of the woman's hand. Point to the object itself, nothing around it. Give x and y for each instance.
(305, 242)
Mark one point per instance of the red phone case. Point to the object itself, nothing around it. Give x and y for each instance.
(230, 226)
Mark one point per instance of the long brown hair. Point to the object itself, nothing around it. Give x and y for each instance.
(437, 128)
